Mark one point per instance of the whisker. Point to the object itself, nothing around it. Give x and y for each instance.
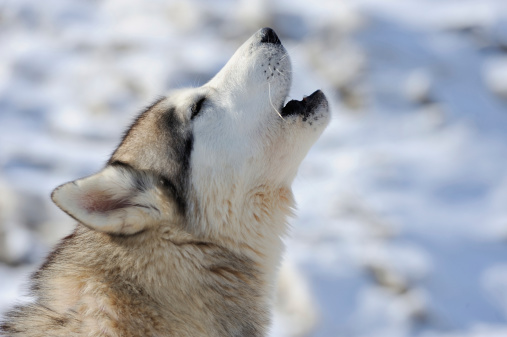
(284, 56)
(271, 102)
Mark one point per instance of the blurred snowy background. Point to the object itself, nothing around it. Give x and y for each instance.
(402, 221)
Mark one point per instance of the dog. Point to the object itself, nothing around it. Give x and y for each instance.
(180, 233)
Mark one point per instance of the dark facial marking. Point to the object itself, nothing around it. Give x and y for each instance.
(170, 123)
(196, 107)
(180, 145)
(175, 140)
(175, 192)
(187, 152)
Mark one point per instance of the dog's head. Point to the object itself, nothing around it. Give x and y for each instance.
(228, 137)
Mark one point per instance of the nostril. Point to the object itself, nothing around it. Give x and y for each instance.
(268, 35)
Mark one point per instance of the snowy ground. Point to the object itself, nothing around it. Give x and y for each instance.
(402, 222)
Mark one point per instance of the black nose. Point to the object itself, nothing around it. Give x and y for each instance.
(268, 35)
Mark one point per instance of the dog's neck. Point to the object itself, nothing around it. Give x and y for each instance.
(250, 222)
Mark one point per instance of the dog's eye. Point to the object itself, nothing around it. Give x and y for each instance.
(196, 107)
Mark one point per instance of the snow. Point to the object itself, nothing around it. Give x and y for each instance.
(402, 221)
(495, 76)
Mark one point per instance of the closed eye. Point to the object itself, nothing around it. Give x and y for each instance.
(196, 107)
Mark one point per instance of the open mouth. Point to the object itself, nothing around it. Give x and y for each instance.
(307, 106)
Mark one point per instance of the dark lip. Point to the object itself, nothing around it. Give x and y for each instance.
(305, 107)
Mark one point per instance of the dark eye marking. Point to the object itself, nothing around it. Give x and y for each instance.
(173, 190)
(196, 107)
(120, 164)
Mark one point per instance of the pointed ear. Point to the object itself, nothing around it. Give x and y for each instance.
(117, 200)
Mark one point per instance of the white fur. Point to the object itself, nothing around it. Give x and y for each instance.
(245, 156)
(244, 159)
(243, 146)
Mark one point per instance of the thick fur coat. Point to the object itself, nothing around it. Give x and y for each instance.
(180, 233)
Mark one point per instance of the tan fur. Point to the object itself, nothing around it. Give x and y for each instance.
(122, 286)
(177, 237)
